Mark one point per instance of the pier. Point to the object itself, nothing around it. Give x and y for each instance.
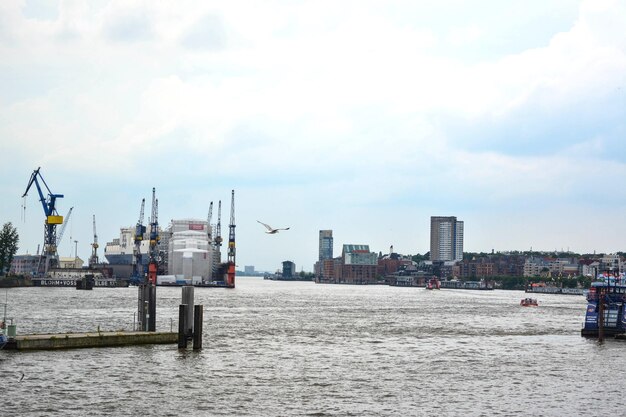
(89, 340)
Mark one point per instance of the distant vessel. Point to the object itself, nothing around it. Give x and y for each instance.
(609, 314)
(433, 284)
(529, 302)
(119, 253)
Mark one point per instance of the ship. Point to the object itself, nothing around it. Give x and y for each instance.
(119, 253)
(610, 315)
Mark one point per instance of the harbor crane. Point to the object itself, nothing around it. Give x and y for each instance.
(146, 297)
(93, 260)
(65, 222)
(154, 241)
(52, 220)
(209, 229)
(138, 272)
(217, 243)
(230, 280)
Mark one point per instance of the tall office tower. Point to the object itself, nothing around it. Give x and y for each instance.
(326, 244)
(446, 239)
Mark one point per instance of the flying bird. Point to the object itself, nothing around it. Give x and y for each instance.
(270, 229)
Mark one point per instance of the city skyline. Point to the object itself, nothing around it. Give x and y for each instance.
(364, 118)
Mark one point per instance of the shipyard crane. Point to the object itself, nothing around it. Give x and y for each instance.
(230, 281)
(140, 230)
(154, 241)
(62, 231)
(208, 222)
(93, 260)
(52, 220)
(217, 243)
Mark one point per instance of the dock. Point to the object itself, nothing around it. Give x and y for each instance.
(88, 340)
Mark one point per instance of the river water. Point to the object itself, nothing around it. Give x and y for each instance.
(304, 349)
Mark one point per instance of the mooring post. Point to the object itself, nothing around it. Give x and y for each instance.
(600, 314)
(197, 326)
(187, 299)
(182, 337)
(152, 301)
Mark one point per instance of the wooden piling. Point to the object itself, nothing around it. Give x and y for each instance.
(600, 315)
(182, 337)
(197, 326)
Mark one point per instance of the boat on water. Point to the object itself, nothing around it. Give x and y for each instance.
(605, 306)
(529, 302)
(433, 284)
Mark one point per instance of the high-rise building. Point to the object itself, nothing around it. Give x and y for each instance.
(326, 244)
(446, 239)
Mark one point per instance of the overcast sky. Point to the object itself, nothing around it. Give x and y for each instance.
(364, 117)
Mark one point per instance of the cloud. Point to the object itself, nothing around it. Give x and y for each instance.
(208, 33)
(350, 117)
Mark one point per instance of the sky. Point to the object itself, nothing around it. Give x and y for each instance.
(365, 117)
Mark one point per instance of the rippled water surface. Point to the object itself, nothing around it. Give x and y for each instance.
(299, 348)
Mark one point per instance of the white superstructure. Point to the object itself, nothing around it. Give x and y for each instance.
(189, 251)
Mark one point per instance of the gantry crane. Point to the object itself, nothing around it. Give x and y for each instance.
(137, 276)
(50, 225)
(154, 241)
(93, 260)
(230, 280)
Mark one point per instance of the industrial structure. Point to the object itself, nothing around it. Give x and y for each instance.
(140, 230)
(230, 277)
(49, 257)
(93, 260)
(146, 283)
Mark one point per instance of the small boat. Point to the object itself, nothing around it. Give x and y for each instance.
(529, 302)
(433, 284)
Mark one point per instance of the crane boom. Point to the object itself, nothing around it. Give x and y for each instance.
(208, 222)
(62, 231)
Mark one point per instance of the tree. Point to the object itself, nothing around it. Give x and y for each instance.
(8, 246)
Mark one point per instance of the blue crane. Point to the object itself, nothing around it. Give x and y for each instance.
(52, 219)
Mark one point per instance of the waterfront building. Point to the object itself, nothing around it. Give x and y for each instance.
(71, 263)
(289, 269)
(535, 266)
(26, 265)
(326, 245)
(358, 265)
(446, 239)
(248, 269)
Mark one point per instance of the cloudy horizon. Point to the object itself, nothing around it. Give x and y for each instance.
(362, 117)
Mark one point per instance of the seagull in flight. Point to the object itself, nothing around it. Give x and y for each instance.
(270, 229)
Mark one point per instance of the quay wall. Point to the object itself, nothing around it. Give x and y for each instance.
(89, 340)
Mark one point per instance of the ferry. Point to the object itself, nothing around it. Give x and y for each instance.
(611, 289)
